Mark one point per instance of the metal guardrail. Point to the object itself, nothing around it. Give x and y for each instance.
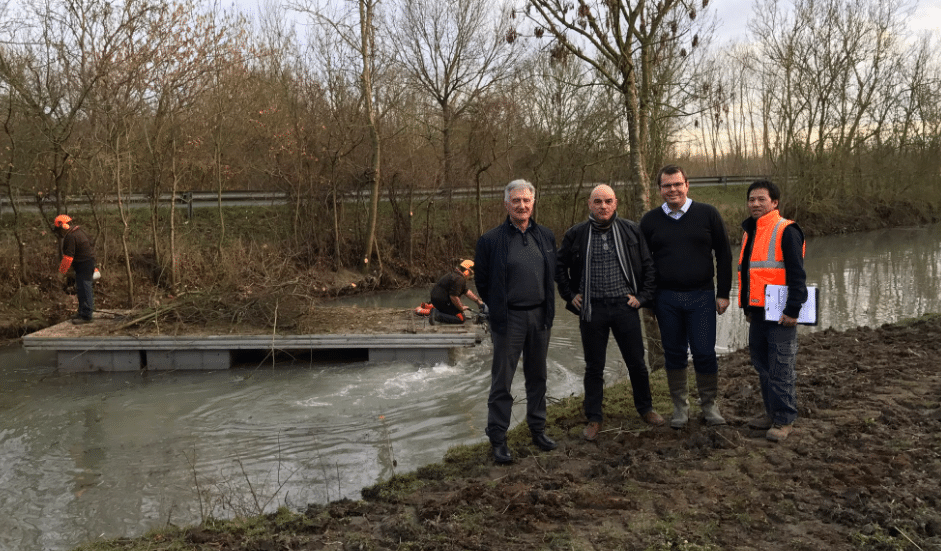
(204, 199)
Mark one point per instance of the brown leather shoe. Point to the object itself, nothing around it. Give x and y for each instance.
(653, 418)
(591, 431)
(778, 433)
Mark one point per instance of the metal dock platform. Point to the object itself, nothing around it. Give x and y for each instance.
(96, 347)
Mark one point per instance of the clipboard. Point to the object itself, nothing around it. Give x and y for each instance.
(776, 298)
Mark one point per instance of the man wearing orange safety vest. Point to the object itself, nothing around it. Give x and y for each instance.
(78, 252)
(772, 254)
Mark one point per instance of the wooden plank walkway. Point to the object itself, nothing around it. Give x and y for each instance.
(104, 346)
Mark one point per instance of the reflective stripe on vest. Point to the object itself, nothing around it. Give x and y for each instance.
(773, 244)
(764, 268)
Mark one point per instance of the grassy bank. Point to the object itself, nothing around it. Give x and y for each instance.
(859, 473)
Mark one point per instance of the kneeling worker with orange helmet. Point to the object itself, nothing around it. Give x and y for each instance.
(447, 292)
(78, 252)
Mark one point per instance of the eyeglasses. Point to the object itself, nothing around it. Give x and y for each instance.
(675, 185)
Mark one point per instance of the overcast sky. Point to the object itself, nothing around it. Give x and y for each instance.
(733, 17)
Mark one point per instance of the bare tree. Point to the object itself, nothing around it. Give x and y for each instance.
(831, 74)
(358, 30)
(453, 51)
(55, 60)
(179, 75)
(628, 44)
(6, 178)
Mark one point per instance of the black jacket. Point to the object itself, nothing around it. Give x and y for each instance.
(571, 262)
(78, 245)
(490, 270)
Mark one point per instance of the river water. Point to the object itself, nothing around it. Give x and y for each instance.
(105, 455)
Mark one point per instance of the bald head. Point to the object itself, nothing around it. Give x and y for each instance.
(602, 203)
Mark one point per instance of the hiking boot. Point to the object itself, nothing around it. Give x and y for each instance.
(78, 320)
(432, 316)
(761, 422)
(544, 443)
(502, 453)
(778, 433)
(653, 418)
(591, 431)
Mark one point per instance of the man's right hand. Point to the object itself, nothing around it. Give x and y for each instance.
(577, 302)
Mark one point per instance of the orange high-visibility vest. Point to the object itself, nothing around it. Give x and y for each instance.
(766, 263)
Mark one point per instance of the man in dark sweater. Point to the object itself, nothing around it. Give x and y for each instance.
(690, 245)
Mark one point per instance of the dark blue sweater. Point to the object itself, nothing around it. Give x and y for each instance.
(683, 250)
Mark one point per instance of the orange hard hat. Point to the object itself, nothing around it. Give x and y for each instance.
(467, 265)
(62, 220)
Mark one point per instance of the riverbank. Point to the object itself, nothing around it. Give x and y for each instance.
(859, 472)
(269, 290)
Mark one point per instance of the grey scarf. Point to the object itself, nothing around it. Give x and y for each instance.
(623, 261)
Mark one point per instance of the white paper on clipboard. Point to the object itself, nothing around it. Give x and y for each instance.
(776, 298)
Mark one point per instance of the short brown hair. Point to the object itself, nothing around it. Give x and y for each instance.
(671, 169)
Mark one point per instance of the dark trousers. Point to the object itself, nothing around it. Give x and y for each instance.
(773, 350)
(619, 319)
(84, 272)
(528, 335)
(445, 307)
(687, 323)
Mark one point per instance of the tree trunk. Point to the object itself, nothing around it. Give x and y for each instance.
(219, 186)
(175, 180)
(7, 182)
(373, 174)
(122, 209)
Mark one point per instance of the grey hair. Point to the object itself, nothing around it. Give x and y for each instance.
(515, 185)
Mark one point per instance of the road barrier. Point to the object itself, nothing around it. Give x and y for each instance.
(206, 199)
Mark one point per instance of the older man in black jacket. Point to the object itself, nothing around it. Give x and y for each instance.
(515, 265)
(605, 274)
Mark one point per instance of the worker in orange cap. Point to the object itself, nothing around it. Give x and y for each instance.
(447, 292)
(78, 252)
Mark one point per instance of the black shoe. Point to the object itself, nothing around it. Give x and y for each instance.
(544, 443)
(502, 454)
(431, 317)
(80, 320)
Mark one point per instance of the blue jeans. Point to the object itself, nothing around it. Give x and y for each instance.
(687, 322)
(84, 272)
(773, 349)
(528, 335)
(613, 316)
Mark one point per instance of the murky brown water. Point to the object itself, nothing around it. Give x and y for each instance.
(106, 455)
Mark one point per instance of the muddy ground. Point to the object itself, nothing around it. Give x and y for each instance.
(861, 471)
